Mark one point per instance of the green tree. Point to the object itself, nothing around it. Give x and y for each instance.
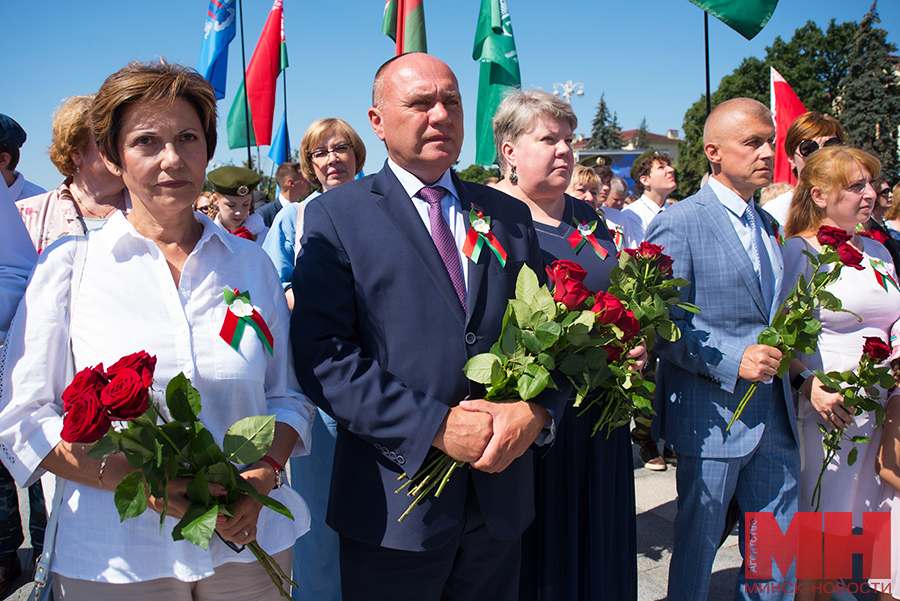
(605, 130)
(870, 102)
(812, 61)
(641, 139)
(477, 173)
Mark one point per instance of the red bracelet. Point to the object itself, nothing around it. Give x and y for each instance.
(273, 463)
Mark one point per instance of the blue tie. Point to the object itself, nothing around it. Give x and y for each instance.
(766, 277)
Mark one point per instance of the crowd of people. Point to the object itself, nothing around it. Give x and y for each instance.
(374, 305)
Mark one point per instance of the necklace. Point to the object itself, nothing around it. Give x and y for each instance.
(95, 215)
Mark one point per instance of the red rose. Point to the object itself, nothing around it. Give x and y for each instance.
(850, 256)
(141, 362)
(832, 236)
(85, 419)
(876, 348)
(874, 235)
(608, 308)
(125, 397)
(664, 263)
(649, 251)
(87, 380)
(561, 271)
(613, 352)
(571, 293)
(629, 326)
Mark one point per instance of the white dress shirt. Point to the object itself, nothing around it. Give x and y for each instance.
(17, 257)
(128, 301)
(450, 207)
(21, 188)
(645, 210)
(736, 206)
(626, 225)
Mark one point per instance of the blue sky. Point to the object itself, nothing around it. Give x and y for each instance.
(646, 55)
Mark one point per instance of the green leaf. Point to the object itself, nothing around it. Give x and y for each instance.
(769, 337)
(508, 344)
(229, 295)
(527, 284)
(668, 331)
(547, 361)
(270, 503)
(851, 456)
(829, 301)
(531, 342)
(103, 448)
(532, 382)
(480, 367)
(522, 312)
(197, 525)
(861, 439)
(572, 365)
(499, 377)
(595, 358)
(543, 301)
(223, 473)
(182, 399)
(548, 334)
(198, 489)
(678, 282)
(886, 381)
(131, 496)
(249, 439)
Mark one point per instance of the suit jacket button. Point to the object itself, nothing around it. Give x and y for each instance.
(470, 338)
(400, 459)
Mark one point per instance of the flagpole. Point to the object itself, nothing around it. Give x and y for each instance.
(287, 150)
(244, 79)
(706, 43)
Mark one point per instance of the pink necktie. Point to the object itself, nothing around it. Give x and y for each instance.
(443, 240)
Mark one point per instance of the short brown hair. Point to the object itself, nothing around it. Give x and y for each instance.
(828, 169)
(808, 126)
(286, 170)
(71, 132)
(646, 166)
(149, 83)
(313, 136)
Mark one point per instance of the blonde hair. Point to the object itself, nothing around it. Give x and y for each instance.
(772, 191)
(829, 169)
(584, 176)
(520, 110)
(71, 132)
(313, 136)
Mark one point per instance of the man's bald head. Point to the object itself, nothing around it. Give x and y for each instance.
(390, 68)
(723, 119)
(738, 140)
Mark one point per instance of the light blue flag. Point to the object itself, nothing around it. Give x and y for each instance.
(218, 32)
(281, 145)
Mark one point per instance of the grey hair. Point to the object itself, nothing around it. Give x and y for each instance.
(520, 110)
(617, 185)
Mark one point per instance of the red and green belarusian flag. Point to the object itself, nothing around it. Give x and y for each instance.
(404, 22)
(258, 88)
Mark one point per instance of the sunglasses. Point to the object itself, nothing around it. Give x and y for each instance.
(807, 147)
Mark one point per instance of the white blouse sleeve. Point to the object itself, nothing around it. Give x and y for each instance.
(33, 366)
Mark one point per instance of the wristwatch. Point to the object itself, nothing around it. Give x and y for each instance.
(800, 379)
(280, 475)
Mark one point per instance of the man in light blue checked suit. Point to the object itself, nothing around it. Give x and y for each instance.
(727, 247)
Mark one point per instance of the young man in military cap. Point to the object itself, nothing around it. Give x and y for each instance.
(654, 180)
(13, 185)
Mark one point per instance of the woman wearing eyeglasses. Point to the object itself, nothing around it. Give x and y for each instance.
(809, 132)
(332, 154)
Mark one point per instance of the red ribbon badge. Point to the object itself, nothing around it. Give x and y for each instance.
(584, 232)
(480, 233)
(241, 314)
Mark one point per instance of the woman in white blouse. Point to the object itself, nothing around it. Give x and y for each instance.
(153, 281)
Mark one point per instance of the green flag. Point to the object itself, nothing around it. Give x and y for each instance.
(747, 17)
(495, 47)
(237, 121)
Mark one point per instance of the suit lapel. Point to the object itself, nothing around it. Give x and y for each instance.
(477, 271)
(400, 211)
(718, 221)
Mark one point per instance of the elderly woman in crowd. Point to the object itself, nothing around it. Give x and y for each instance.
(331, 153)
(231, 205)
(153, 281)
(835, 189)
(584, 485)
(808, 133)
(88, 196)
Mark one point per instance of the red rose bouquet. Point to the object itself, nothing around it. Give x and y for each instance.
(159, 452)
(861, 393)
(583, 335)
(794, 329)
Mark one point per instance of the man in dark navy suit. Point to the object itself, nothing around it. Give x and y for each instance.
(388, 310)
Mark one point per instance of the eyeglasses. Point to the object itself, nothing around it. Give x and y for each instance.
(204, 209)
(341, 151)
(884, 192)
(807, 147)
